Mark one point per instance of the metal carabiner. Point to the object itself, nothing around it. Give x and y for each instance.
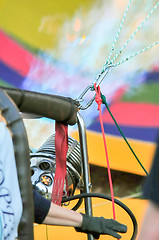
(81, 99)
(102, 75)
(88, 104)
(100, 78)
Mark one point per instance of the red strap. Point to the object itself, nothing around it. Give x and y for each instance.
(99, 102)
(61, 147)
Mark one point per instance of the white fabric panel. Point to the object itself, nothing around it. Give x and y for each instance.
(10, 198)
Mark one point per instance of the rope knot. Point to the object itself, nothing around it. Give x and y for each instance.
(98, 100)
(98, 95)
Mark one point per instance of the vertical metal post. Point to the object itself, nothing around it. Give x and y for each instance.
(86, 171)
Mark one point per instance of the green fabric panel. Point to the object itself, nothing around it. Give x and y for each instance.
(4, 84)
(148, 93)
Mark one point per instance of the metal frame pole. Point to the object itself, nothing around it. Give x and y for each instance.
(86, 170)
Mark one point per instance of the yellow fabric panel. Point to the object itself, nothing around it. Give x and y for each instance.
(37, 22)
(120, 156)
(100, 208)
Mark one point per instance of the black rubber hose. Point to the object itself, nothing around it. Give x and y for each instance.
(104, 196)
(78, 204)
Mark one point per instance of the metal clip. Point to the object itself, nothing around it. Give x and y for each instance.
(91, 87)
(88, 104)
(81, 99)
(102, 75)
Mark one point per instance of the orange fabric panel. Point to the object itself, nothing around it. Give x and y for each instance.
(120, 156)
(100, 208)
